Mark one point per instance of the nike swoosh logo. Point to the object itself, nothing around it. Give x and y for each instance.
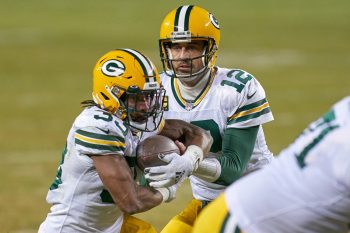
(250, 96)
(105, 131)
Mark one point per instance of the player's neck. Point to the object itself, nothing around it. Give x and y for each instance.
(190, 91)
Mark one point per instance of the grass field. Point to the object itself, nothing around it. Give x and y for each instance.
(299, 50)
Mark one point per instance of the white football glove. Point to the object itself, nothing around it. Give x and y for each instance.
(177, 169)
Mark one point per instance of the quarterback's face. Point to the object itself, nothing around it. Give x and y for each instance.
(183, 54)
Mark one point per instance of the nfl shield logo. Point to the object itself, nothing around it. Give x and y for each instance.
(189, 106)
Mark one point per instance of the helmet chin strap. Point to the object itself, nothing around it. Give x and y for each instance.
(136, 126)
(151, 122)
(190, 78)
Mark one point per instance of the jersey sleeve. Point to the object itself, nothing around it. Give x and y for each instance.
(338, 151)
(95, 141)
(97, 133)
(249, 107)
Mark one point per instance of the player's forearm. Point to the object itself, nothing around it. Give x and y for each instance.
(224, 170)
(147, 198)
(199, 137)
(142, 199)
(238, 145)
(118, 180)
(209, 170)
(188, 134)
(237, 149)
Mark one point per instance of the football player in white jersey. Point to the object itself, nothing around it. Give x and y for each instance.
(306, 189)
(228, 102)
(95, 188)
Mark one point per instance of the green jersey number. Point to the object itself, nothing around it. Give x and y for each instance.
(325, 126)
(58, 179)
(239, 80)
(108, 117)
(105, 116)
(214, 130)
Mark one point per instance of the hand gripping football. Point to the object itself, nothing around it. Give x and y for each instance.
(149, 149)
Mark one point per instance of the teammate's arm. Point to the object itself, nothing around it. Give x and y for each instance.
(127, 195)
(188, 134)
(178, 168)
(237, 148)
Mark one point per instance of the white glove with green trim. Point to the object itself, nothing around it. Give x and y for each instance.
(177, 169)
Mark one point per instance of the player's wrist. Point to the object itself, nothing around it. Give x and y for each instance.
(209, 170)
(168, 194)
(164, 192)
(195, 154)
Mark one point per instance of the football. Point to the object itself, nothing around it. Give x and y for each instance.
(148, 150)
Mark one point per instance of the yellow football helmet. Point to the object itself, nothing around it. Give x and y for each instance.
(127, 84)
(185, 24)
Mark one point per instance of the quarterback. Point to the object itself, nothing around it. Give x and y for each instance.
(305, 190)
(95, 188)
(229, 103)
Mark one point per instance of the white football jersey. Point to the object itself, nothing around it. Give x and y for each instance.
(232, 99)
(80, 202)
(307, 188)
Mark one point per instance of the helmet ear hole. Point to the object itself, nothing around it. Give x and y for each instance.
(104, 96)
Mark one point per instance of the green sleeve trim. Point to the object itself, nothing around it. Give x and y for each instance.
(237, 149)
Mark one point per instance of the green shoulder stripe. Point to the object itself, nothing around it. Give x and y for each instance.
(250, 111)
(101, 136)
(100, 147)
(251, 106)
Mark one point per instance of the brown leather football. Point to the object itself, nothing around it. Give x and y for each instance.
(149, 149)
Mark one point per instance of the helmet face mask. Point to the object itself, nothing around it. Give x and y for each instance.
(144, 108)
(127, 84)
(194, 71)
(188, 24)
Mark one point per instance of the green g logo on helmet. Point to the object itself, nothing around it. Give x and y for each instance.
(214, 21)
(113, 68)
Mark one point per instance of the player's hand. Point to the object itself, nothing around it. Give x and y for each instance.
(177, 169)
